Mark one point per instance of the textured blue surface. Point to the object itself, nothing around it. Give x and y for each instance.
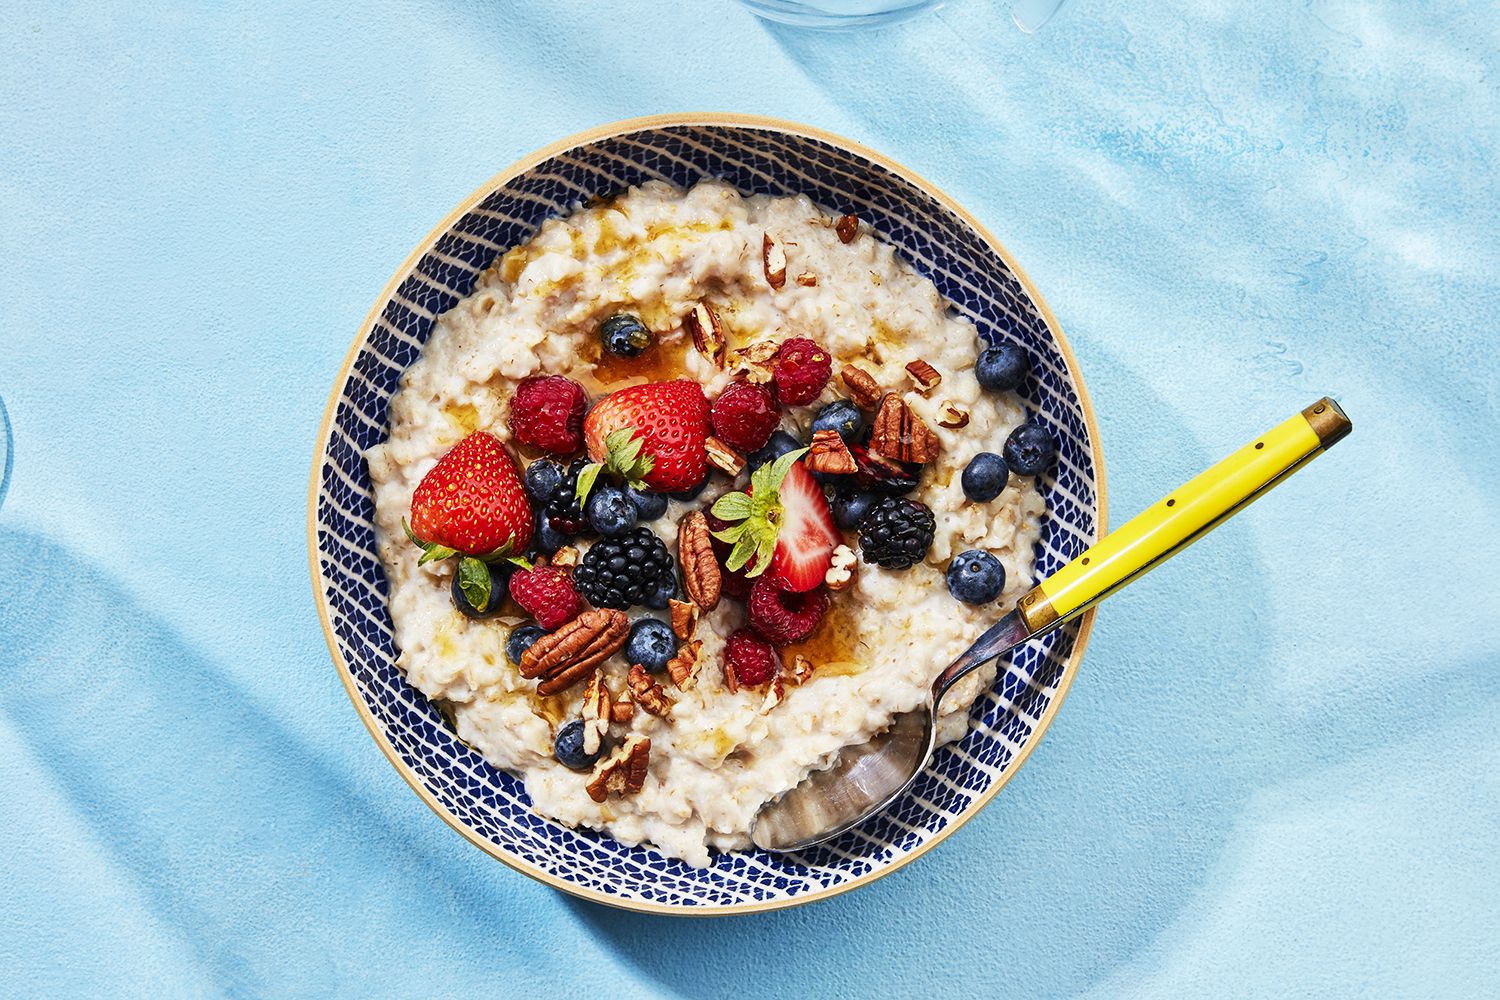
(1276, 773)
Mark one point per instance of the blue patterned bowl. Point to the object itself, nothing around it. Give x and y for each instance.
(491, 807)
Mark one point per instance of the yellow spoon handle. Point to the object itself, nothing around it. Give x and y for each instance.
(1167, 527)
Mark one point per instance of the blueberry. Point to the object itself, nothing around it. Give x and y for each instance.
(781, 442)
(519, 641)
(568, 747)
(1000, 369)
(543, 477)
(666, 589)
(984, 477)
(850, 508)
(975, 577)
(499, 579)
(547, 539)
(651, 644)
(691, 493)
(611, 512)
(624, 336)
(1030, 450)
(841, 416)
(648, 505)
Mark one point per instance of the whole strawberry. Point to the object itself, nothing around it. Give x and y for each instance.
(649, 434)
(546, 412)
(802, 370)
(744, 416)
(547, 594)
(471, 503)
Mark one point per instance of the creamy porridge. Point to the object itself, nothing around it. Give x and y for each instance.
(718, 749)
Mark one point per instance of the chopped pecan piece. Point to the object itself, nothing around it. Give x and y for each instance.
(648, 693)
(774, 694)
(707, 332)
(684, 617)
(623, 710)
(773, 256)
(924, 375)
(597, 712)
(568, 655)
(700, 569)
(841, 571)
(802, 670)
(723, 457)
(759, 353)
(952, 416)
(828, 453)
(683, 667)
(900, 434)
(847, 228)
(863, 388)
(622, 772)
(807, 279)
(565, 556)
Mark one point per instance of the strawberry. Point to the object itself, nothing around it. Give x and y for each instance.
(667, 423)
(783, 523)
(471, 503)
(546, 592)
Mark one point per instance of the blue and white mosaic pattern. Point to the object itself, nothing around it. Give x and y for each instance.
(493, 805)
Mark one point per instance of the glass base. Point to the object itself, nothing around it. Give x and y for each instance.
(837, 15)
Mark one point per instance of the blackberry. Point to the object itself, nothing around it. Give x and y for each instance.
(896, 533)
(623, 571)
(563, 511)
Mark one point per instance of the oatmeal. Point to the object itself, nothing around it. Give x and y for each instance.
(693, 325)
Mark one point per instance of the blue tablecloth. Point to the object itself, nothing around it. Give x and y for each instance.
(1277, 772)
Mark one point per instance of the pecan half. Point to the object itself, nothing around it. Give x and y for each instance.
(684, 666)
(648, 693)
(597, 712)
(900, 434)
(723, 457)
(700, 569)
(863, 388)
(622, 772)
(807, 279)
(707, 332)
(773, 257)
(952, 416)
(924, 375)
(684, 615)
(841, 571)
(568, 655)
(847, 228)
(828, 453)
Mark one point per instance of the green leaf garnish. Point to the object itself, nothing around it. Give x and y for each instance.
(622, 458)
(756, 515)
(474, 581)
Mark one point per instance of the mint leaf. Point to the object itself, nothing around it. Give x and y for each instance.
(474, 581)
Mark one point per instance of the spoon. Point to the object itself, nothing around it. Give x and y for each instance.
(865, 779)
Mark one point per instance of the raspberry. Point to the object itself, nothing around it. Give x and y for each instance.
(782, 616)
(546, 412)
(744, 416)
(547, 594)
(802, 370)
(749, 659)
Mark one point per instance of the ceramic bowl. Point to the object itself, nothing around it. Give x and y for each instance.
(490, 807)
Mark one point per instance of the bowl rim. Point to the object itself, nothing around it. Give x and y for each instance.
(521, 166)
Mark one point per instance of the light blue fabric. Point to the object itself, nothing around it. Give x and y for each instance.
(1276, 774)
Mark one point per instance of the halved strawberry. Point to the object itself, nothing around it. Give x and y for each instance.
(782, 524)
(807, 536)
(668, 419)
